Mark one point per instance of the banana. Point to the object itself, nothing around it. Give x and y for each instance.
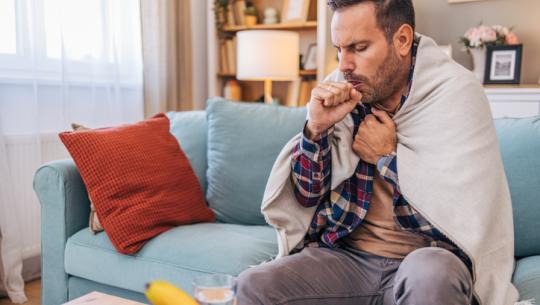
(165, 293)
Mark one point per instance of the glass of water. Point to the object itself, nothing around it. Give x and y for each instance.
(215, 289)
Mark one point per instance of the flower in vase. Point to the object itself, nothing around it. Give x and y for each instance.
(484, 35)
(511, 38)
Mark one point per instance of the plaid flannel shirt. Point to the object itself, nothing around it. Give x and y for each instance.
(342, 210)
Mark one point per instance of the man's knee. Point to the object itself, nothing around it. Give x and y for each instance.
(432, 273)
(432, 267)
(260, 276)
(258, 285)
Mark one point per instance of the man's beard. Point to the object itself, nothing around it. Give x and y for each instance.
(389, 78)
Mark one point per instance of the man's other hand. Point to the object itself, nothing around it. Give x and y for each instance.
(375, 137)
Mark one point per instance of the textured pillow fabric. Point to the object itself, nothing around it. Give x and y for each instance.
(189, 128)
(93, 222)
(519, 140)
(244, 140)
(139, 180)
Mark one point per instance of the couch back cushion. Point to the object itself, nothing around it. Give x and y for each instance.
(189, 128)
(244, 140)
(519, 140)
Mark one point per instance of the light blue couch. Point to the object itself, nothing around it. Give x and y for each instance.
(232, 147)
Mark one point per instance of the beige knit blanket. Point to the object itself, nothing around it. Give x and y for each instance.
(449, 168)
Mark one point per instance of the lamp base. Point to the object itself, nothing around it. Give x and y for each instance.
(268, 92)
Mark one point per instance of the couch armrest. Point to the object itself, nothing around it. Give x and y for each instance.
(65, 209)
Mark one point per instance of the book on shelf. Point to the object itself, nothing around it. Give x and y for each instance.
(223, 56)
(231, 55)
(240, 6)
(235, 12)
(230, 16)
(227, 56)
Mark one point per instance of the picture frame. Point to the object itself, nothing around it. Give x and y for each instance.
(295, 11)
(310, 60)
(503, 64)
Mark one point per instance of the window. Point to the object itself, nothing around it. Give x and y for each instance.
(83, 38)
(8, 28)
(87, 39)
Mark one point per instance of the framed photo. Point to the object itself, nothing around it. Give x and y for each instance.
(295, 11)
(503, 64)
(310, 60)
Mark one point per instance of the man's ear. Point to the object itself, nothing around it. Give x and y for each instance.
(403, 40)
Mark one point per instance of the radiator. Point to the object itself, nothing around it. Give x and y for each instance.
(26, 153)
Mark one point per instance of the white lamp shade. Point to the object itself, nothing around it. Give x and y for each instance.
(267, 55)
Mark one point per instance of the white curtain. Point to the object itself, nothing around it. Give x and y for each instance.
(61, 61)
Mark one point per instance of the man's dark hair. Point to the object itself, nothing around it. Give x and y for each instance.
(391, 14)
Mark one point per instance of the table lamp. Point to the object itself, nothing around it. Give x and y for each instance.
(267, 56)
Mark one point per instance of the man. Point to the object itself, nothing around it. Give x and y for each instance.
(360, 230)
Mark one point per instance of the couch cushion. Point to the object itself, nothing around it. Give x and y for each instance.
(527, 278)
(244, 140)
(189, 128)
(177, 255)
(520, 143)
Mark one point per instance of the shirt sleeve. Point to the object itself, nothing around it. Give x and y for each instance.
(387, 167)
(311, 167)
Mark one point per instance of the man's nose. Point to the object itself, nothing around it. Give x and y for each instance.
(346, 62)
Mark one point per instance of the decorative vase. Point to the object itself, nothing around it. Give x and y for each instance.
(479, 62)
(232, 90)
(270, 15)
(251, 20)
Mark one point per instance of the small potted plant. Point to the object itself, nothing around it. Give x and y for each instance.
(250, 14)
(220, 13)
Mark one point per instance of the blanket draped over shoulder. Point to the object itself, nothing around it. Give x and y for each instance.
(449, 168)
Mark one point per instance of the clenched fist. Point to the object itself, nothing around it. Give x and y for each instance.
(330, 103)
(376, 136)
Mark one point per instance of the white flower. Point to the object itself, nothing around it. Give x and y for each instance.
(487, 34)
(479, 36)
(501, 30)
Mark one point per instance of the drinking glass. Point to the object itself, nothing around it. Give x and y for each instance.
(215, 289)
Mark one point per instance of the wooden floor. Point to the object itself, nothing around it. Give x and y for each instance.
(33, 293)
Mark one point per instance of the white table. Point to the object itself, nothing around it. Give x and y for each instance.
(514, 101)
(98, 298)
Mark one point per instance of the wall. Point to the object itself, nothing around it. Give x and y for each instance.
(447, 22)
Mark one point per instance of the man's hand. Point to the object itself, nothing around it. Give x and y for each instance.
(375, 137)
(330, 103)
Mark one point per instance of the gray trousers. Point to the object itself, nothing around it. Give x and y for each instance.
(320, 276)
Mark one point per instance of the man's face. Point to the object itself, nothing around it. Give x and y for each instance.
(368, 61)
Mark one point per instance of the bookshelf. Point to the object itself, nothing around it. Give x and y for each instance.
(301, 73)
(314, 30)
(278, 26)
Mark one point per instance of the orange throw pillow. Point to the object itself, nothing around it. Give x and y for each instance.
(139, 180)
